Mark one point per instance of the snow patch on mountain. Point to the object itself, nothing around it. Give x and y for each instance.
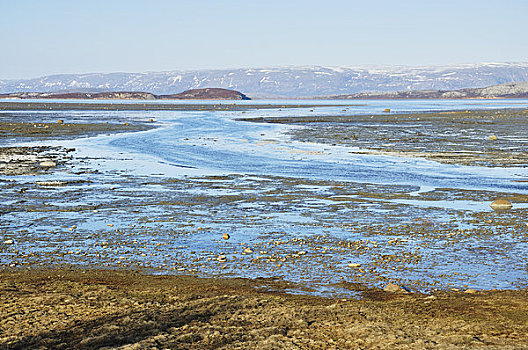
(287, 81)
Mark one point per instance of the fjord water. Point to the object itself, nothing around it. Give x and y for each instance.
(204, 172)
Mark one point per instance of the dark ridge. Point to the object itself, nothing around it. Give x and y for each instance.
(193, 94)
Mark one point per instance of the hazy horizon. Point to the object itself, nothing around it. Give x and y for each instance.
(60, 37)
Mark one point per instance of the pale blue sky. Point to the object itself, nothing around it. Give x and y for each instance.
(53, 36)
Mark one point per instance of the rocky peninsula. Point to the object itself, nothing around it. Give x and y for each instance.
(192, 94)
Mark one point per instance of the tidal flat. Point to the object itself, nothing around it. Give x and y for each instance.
(322, 240)
(451, 137)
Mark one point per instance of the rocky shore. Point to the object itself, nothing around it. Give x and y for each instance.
(84, 276)
(87, 309)
(479, 137)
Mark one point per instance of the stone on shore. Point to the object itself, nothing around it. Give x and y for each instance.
(394, 288)
(48, 164)
(51, 183)
(501, 204)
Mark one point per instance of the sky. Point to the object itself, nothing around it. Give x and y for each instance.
(59, 36)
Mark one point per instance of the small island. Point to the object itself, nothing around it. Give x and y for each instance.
(192, 94)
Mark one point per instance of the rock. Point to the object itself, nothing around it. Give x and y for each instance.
(48, 164)
(470, 291)
(501, 204)
(394, 288)
(221, 258)
(9, 242)
(51, 183)
(386, 110)
(493, 138)
(60, 121)
(354, 265)
(248, 251)
(226, 236)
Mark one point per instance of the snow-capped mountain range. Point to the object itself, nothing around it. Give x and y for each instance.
(284, 81)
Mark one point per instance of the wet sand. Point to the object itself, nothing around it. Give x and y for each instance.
(125, 305)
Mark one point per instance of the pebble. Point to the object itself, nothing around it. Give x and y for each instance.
(501, 204)
(248, 251)
(354, 265)
(9, 242)
(493, 138)
(50, 183)
(470, 291)
(225, 236)
(60, 121)
(48, 164)
(221, 258)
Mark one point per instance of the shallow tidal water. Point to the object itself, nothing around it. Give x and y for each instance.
(314, 214)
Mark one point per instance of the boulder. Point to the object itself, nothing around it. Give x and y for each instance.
(501, 204)
(394, 288)
(48, 164)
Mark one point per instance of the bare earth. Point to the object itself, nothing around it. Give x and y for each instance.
(87, 309)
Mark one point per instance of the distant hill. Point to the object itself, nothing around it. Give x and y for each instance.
(284, 81)
(510, 90)
(194, 94)
(206, 94)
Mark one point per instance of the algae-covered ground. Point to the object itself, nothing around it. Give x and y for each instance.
(93, 257)
(92, 309)
(482, 138)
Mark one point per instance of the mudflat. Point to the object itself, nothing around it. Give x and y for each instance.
(86, 276)
(451, 137)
